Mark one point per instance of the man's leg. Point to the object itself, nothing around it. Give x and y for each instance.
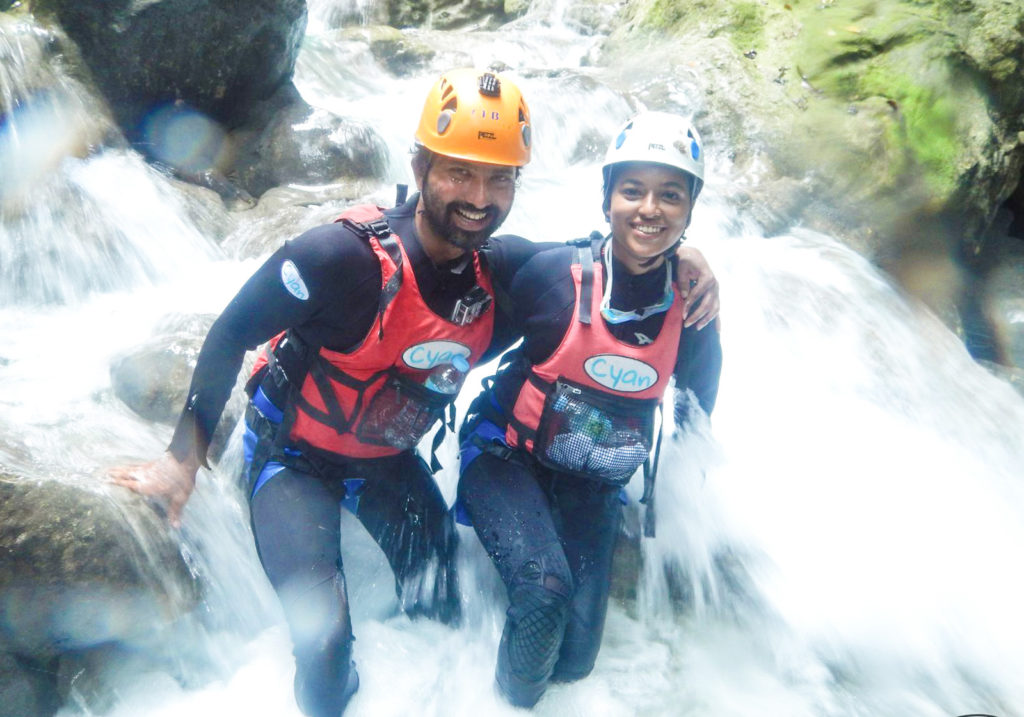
(295, 521)
(512, 517)
(589, 523)
(402, 508)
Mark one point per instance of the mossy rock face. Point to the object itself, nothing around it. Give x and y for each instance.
(885, 107)
(446, 14)
(396, 50)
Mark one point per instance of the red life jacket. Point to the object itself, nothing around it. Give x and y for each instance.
(370, 401)
(589, 408)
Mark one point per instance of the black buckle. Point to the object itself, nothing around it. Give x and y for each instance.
(379, 228)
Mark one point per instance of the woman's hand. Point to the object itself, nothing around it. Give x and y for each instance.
(698, 287)
(166, 478)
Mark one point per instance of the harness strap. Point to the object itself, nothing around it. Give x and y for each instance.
(586, 259)
(334, 416)
(588, 251)
(446, 425)
(650, 473)
(380, 229)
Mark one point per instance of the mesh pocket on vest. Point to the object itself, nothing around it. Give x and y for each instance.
(594, 435)
(400, 413)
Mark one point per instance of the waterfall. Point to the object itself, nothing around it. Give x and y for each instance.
(841, 539)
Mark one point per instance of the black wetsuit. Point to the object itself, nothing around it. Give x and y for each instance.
(295, 517)
(552, 535)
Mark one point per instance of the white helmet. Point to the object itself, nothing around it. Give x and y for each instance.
(661, 138)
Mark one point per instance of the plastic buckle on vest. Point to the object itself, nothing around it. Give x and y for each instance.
(379, 228)
(495, 448)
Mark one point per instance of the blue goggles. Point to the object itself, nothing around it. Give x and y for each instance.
(618, 316)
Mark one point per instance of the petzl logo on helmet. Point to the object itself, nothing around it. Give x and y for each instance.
(433, 353)
(621, 373)
(293, 282)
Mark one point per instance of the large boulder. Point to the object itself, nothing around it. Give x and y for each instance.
(294, 143)
(153, 378)
(83, 569)
(219, 58)
(83, 565)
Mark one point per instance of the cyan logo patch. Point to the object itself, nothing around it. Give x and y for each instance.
(433, 353)
(621, 373)
(293, 282)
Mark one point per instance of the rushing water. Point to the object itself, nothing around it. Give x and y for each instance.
(845, 535)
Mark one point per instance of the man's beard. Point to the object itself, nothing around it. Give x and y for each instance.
(440, 220)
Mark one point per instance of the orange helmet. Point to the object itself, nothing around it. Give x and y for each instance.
(476, 116)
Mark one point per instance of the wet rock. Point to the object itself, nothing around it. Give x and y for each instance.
(83, 565)
(27, 689)
(219, 58)
(447, 14)
(397, 51)
(1004, 307)
(48, 104)
(153, 379)
(286, 212)
(298, 144)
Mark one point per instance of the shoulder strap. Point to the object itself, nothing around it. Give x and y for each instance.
(588, 251)
(378, 228)
(650, 473)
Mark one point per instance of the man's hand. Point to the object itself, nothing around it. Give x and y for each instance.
(698, 287)
(166, 478)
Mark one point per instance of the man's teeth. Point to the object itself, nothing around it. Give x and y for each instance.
(472, 215)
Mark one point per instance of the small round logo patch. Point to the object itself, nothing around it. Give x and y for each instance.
(293, 282)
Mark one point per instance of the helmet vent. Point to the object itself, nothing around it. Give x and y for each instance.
(526, 135)
(490, 85)
(444, 120)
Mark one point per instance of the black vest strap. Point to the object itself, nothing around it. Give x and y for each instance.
(588, 251)
(650, 473)
(586, 258)
(379, 228)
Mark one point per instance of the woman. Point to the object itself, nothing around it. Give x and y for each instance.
(570, 416)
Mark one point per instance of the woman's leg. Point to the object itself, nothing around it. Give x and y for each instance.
(512, 517)
(295, 522)
(589, 518)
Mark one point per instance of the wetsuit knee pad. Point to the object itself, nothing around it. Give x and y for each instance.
(537, 615)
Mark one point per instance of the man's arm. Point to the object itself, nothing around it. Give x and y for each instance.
(295, 286)
(698, 287)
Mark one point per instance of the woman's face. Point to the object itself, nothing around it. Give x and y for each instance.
(649, 209)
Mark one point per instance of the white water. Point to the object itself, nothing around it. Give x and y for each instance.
(850, 534)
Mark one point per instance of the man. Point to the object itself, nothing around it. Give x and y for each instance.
(361, 312)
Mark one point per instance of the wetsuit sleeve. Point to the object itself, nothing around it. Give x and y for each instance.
(304, 285)
(504, 256)
(698, 368)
